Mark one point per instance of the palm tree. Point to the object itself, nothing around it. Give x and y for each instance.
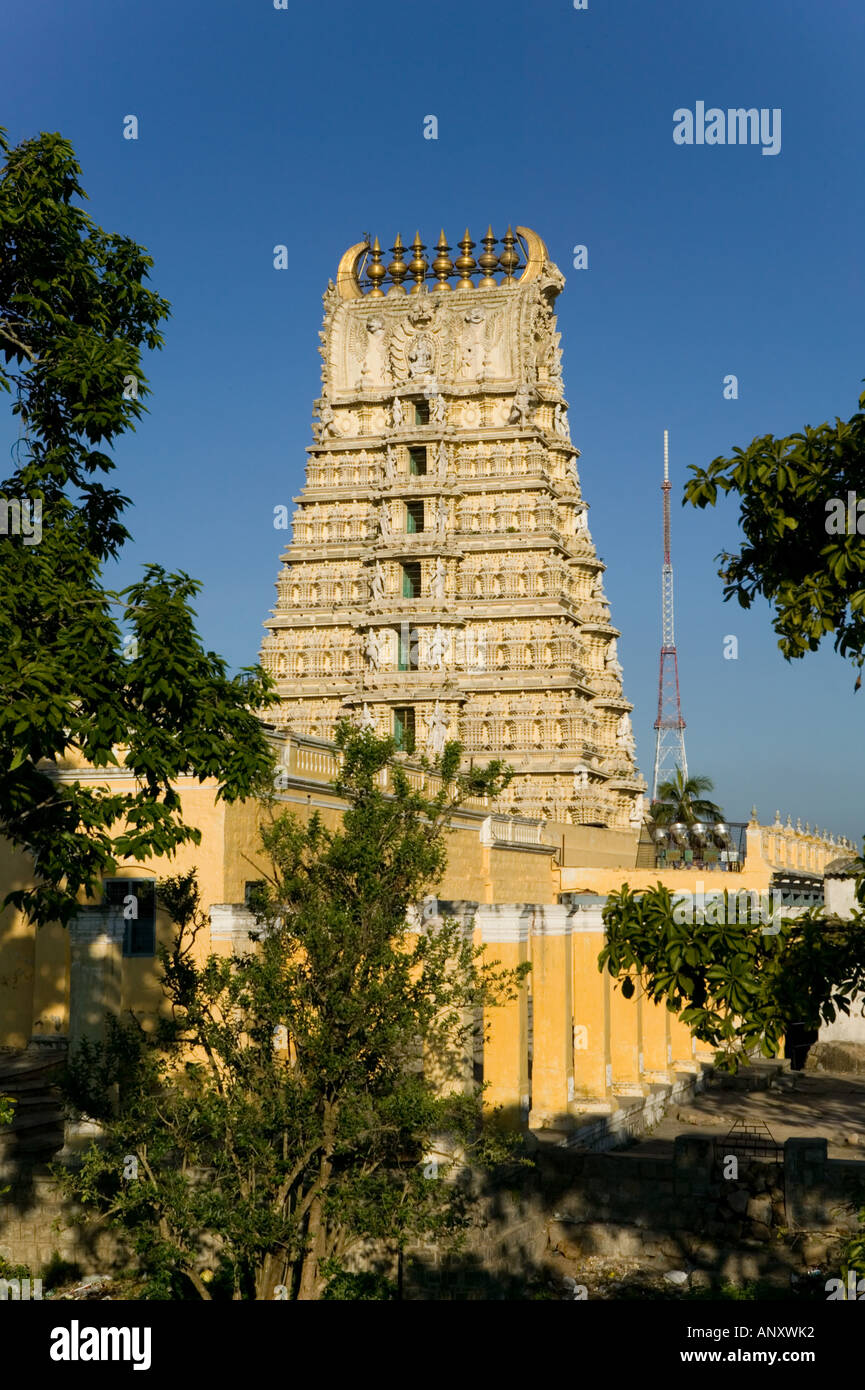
(683, 801)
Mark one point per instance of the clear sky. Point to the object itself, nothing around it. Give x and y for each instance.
(304, 126)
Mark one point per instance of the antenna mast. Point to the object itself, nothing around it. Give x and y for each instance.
(669, 725)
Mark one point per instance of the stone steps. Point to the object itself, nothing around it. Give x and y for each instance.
(37, 1126)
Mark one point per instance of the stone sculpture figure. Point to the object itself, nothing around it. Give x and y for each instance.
(366, 719)
(437, 648)
(612, 664)
(473, 346)
(374, 370)
(326, 419)
(397, 414)
(438, 409)
(442, 459)
(521, 407)
(420, 358)
(378, 582)
(437, 587)
(560, 421)
(625, 735)
(437, 730)
(441, 515)
(372, 649)
(384, 522)
(390, 463)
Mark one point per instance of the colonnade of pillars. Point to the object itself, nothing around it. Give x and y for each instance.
(589, 1043)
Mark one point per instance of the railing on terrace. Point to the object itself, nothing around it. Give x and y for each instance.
(511, 831)
(319, 761)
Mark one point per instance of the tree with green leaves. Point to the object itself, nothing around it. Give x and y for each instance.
(802, 514)
(75, 318)
(684, 800)
(733, 970)
(290, 1106)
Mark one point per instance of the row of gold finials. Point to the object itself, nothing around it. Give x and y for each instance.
(443, 267)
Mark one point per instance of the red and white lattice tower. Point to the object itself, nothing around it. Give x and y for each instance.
(669, 725)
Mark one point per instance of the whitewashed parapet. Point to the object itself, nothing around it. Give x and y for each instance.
(232, 923)
(785, 846)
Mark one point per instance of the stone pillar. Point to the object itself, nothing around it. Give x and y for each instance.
(504, 931)
(682, 1047)
(591, 1006)
(552, 1019)
(450, 1069)
(625, 1039)
(656, 1038)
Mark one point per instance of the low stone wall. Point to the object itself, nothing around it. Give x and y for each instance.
(839, 1056)
(769, 1221)
(37, 1222)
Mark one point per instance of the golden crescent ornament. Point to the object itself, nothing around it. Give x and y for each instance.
(346, 276)
(536, 254)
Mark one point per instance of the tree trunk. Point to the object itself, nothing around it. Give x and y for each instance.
(270, 1275)
(310, 1282)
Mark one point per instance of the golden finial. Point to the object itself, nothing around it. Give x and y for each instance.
(443, 265)
(376, 272)
(417, 264)
(397, 270)
(509, 259)
(488, 261)
(466, 263)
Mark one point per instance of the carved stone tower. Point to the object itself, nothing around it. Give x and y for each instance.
(441, 581)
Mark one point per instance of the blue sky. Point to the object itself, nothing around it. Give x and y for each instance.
(305, 127)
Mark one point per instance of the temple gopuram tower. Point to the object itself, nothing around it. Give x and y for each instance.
(442, 581)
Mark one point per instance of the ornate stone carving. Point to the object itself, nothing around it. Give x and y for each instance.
(372, 649)
(375, 368)
(437, 728)
(438, 648)
(625, 736)
(326, 425)
(420, 357)
(437, 584)
(520, 561)
(472, 355)
(385, 525)
(378, 582)
(521, 408)
(611, 660)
